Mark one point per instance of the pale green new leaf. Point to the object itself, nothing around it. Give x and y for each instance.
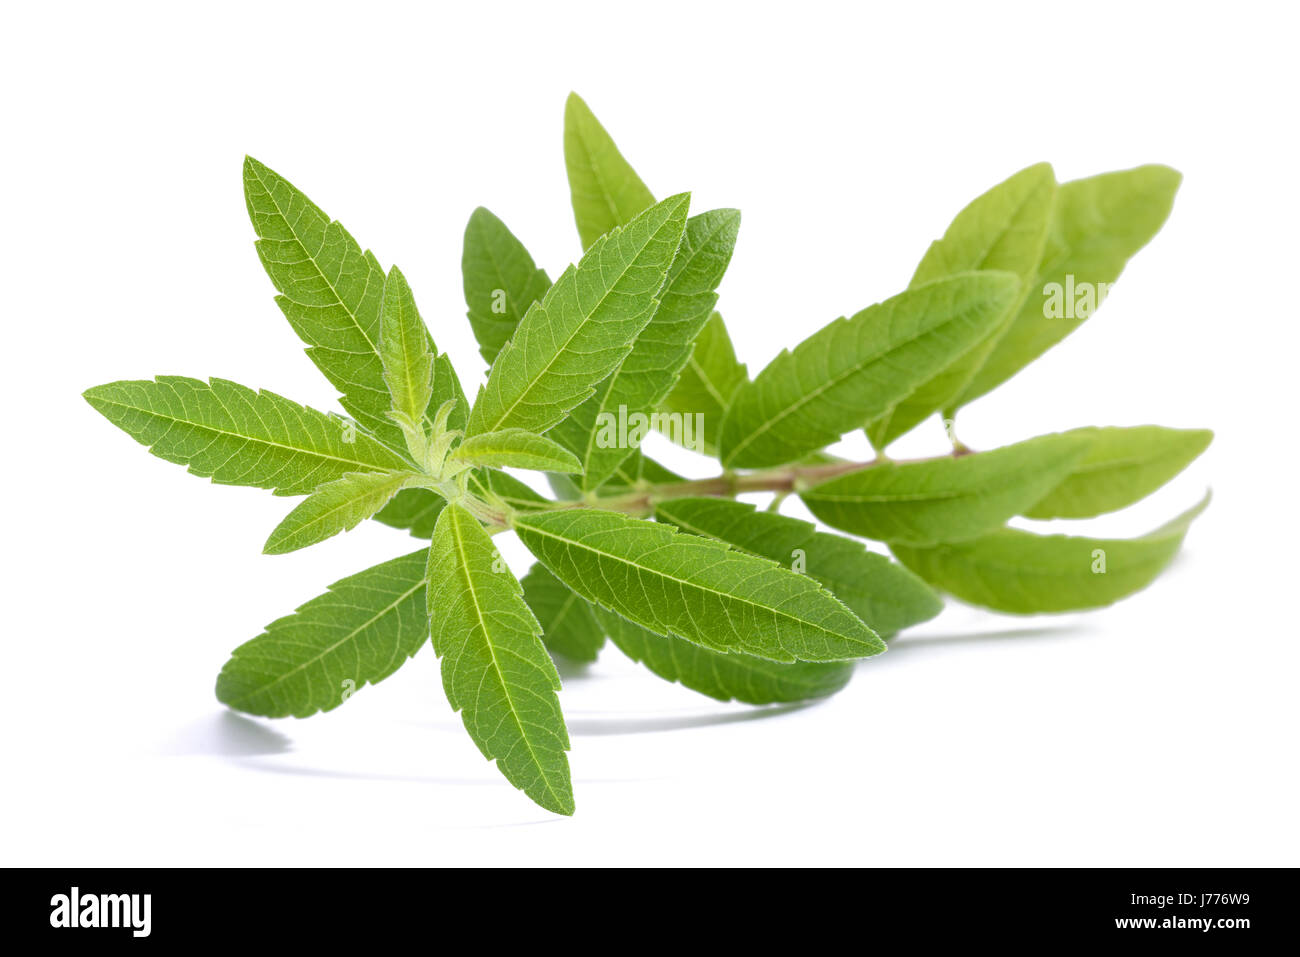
(945, 500)
(417, 509)
(1015, 571)
(726, 677)
(360, 631)
(515, 448)
(651, 369)
(569, 625)
(1122, 466)
(852, 370)
(605, 190)
(236, 436)
(334, 507)
(405, 350)
(882, 593)
(1005, 228)
(697, 588)
(1097, 225)
(501, 281)
(709, 381)
(495, 670)
(584, 326)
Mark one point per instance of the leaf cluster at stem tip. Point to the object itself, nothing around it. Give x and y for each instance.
(731, 601)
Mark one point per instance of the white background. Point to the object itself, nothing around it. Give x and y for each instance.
(1161, 731)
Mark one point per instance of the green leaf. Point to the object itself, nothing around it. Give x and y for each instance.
(1015, 571)
(1004, 229)
(584, 327)
(330, 291)
(332, 294)
(237, 436)
(413, 509)
(693, 587)
(1122, 466)
(494, 668)
(360, 631)
(569, 624)
(726, 677)
(515, 448)
(882, 593)
(949, 499)
(598, 430)
(606, 191)
(854, 369)
(1097, 225)
(337, 506)
(501, 281)
(405, 351)
(709, 381)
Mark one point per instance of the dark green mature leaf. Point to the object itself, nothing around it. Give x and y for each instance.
(1122, 466)
(1015, 571)
(1005, 228)
(726, 677)
(1097, 225)
(697, 588)
(605, 190)
(404, 350)
(949, 499)
(334, 507)
(515, 448)
(494, 668)
(360, 631)
(501, 281)
(237, 436)
(709, 381)
(882, 593)
(597, 430)
(569, 624)
(584, 326)
(855, 369)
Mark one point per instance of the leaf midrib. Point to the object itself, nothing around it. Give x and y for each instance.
(699, 587)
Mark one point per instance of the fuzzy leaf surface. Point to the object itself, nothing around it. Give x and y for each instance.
(1023, 573)
(697, 588)
(855, 369)
(359, 632)
(237, 436)
(404, 350)
(516, 448)
(948, 499)
(334, 507)
(495, 670)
